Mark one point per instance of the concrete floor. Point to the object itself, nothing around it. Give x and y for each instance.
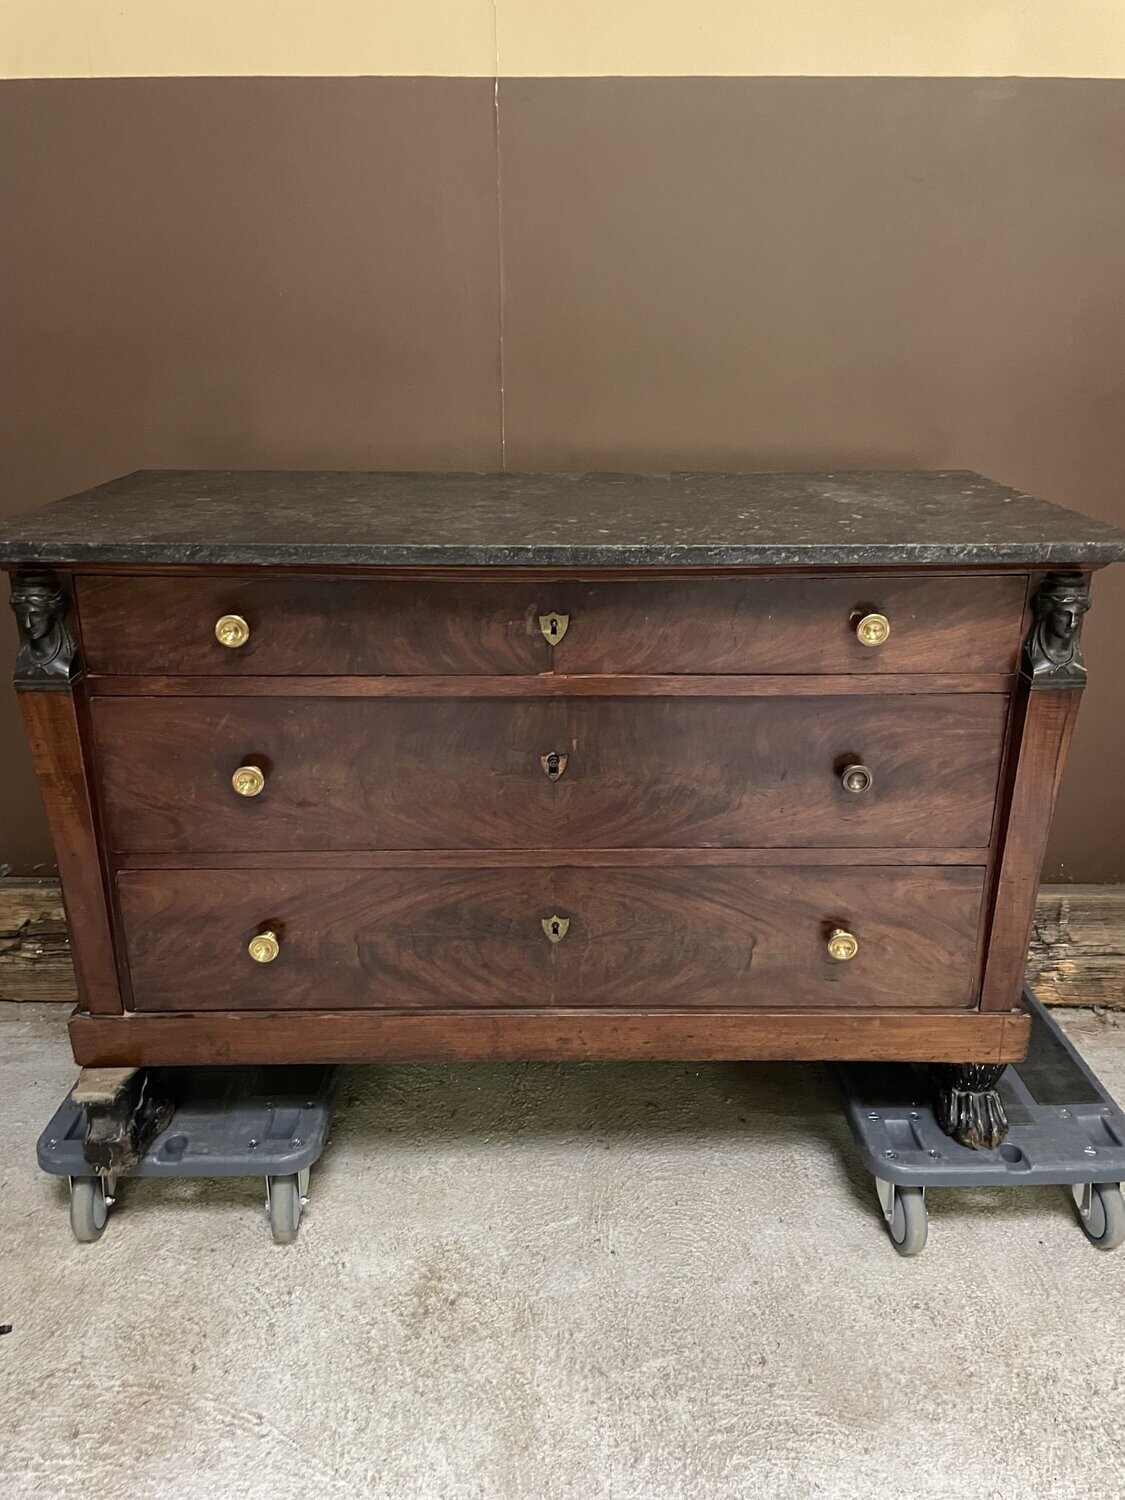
(637, 1283)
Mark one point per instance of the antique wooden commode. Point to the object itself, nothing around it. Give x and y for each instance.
(383, 766)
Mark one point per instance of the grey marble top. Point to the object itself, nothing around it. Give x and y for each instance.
(264, 518)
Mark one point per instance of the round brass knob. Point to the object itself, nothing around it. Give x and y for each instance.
(248, 781)
(842, 945)
(873, 630)
(264, 948)
(232, 631)
(856, 778)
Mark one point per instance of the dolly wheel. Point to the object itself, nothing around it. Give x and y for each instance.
(1103, 1222)
(909, 1223)
(88, 1209)
(284, 1197)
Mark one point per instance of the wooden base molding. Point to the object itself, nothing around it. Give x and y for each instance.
(534, 1036)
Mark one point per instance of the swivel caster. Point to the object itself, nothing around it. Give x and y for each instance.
(90, 1202)
(905, 1215)
(285, 1198)
(1101, 1212)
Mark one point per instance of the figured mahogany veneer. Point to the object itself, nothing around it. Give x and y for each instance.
(551, 765)
(370, 627)
(469, 773)
(657, 939)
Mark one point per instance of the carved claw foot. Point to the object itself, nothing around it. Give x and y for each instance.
(967, 1104)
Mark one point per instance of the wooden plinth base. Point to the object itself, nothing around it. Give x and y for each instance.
(545, 1036)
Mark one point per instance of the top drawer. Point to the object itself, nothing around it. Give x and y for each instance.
(370, 627)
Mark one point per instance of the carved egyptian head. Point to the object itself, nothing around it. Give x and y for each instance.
(39, 603)
(1059, 607)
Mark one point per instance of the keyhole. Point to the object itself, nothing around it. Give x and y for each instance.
(555, 928)
(554, 764)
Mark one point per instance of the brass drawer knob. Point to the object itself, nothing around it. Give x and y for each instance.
(556, 928)
(232, 631)
(264, 948)
(248, 781)
(873, 630)
(842, 945)
(856, 779)
(553, 627)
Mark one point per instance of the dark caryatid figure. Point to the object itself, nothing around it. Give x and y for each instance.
(1054, 653)
(46, 651)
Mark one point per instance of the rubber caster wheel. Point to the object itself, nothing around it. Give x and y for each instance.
(89, 1209)
(907, 1221)
(283, 1195)
(1101, 1213)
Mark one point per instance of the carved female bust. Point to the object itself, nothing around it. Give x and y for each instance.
(1053, 650)
(46, 645)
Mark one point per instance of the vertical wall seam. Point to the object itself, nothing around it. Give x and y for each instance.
(500, 309)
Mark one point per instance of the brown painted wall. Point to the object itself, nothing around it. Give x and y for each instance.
(714, 273)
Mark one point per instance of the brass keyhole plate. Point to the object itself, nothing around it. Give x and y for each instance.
(554, 764)
(556, 928)
(554, 627)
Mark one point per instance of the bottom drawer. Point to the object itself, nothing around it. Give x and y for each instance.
(625, 938)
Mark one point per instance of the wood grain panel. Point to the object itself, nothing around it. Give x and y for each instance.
(525, 859)
(677, 939)
(547, 1036)
(311, 626)
(730, 625)
(54, 736)
(1043, 725)
(554, 685)
(779, 624)
(674, 938)
(371, 939)
(431, 774)
(1077, 954)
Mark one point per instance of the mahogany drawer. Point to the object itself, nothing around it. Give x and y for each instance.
(648, 939)
(441, 773)
(755, 624)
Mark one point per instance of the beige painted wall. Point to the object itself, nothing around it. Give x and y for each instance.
(547, 38)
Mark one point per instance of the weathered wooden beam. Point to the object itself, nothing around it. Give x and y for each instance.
(35, 959)
(1077, 952)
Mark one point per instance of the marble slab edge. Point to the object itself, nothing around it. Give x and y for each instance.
(60, 553)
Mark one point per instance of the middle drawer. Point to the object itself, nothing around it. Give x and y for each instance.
(547, 773)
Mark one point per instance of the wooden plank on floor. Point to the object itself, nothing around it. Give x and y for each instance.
(1077, 954)
(35, 959)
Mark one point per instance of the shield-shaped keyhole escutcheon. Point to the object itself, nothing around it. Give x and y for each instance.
(553, 627)
(556, 928)
(554, 764)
